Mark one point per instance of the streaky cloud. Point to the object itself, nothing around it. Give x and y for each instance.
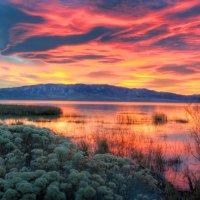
(177, 69)
(175, 42)
(10, 16)
(43, 43)
(161, 30)
(187, 13)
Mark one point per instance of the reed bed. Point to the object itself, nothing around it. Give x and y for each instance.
(29, 110)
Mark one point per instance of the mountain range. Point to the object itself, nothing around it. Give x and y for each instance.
(94, 92)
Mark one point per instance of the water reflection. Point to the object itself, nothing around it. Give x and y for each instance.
(130, 129)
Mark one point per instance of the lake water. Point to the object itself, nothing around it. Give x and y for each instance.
(129, 130)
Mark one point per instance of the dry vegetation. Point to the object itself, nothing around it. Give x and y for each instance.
(194, 179)
(194, 114)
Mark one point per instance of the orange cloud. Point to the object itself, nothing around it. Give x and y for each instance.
(153, 44)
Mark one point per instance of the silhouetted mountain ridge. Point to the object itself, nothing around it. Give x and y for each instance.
(93, 92)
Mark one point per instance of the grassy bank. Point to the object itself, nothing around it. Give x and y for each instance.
(36, 164)
(28, 110)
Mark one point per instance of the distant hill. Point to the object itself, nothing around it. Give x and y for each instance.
(83, 92)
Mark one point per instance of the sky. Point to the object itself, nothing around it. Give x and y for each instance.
(152, 44)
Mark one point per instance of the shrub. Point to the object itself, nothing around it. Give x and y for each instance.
(58, 170)
(102, 147)
(159, 118)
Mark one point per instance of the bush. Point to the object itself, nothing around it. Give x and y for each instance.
(102, 146)
(159, 118)
(40, 165)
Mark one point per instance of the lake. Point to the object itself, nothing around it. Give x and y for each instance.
(132, 130)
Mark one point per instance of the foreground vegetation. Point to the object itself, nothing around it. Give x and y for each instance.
(28, 110)
(36, 164)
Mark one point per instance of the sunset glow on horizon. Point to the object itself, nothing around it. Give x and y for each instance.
(129, 43)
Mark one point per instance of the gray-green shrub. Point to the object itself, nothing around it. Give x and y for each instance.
(36, 164)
